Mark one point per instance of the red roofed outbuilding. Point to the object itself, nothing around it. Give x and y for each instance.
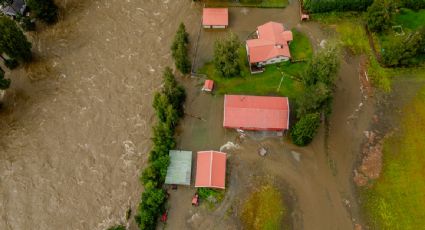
(270, 46)
(256, 113)
(208, 86)
(215, 18)
(211, 169)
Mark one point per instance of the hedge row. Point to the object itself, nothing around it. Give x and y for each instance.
(168, 105)
(321, 6)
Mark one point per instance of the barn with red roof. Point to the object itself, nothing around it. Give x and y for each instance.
(271, 45)
(215, 18)
(211, 169)
(257, 113)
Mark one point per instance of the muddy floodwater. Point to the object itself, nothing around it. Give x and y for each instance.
(75, 126)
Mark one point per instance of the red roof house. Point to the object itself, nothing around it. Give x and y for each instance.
(215, 18)
(256, 113)
(208, 85)
(211, 169)
(270, 46)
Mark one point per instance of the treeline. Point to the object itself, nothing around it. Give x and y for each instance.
(168, 105)
(14, 45)
(319, 84)
(321, 6)
(396, 51)
(413, 4)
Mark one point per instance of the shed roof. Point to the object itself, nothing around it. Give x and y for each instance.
(211, 169)
(208, 85)
(215, 17)
(180, 169)
(256, 112)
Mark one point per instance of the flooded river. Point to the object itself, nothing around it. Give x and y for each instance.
(74, 137)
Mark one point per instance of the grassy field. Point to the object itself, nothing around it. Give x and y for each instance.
(264, 209)
(300, 47)
(279, 79)
(410, 19)
(397, 199)
(262, 4)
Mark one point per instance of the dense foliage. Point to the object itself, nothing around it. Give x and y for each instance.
(45, 10)
(13, 41)
(319, 83)
(226, 56)
(168, 105)
(320, 6)
(413, 4)
(179, 50)
(401, 50)
(380, 15)
(305, 129)
(4, 82)
(117, 227)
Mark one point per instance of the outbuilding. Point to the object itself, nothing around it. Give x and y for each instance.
(179, 171)
(215, 18)
(208, 86)
(256, 113)
(211, 169)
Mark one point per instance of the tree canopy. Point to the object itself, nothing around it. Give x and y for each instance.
(226, 56)
(4, 82)
(380, 15)
(179, 50)
(13, 41)
(305, 129)
(45, 10)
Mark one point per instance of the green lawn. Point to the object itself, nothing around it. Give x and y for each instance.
(300, 47)
(266, 83)
(262, 4)
(397, 199)
(410, 19)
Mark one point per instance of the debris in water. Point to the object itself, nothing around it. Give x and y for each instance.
(262, 151)
(229, 146)
(296, 155)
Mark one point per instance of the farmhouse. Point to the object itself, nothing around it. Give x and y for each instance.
(256, 113)
(17, 7)
(211, 169)
(215, 18)
(270, 45)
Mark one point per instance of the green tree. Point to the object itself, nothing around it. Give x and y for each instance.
(400, 50)
(13, 41)
(174, 92)
(179, 50)
(226, 56)
(151, 205)
(117, 227)
(323, 67)
(305, 129)
(4, 82)
(45, 10)
(380, 15)
(315, 98)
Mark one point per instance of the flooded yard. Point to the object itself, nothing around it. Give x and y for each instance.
(76, 133)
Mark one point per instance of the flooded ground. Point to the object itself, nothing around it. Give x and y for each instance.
(75, 136)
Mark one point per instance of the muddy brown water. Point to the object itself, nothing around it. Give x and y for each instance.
(76, 131)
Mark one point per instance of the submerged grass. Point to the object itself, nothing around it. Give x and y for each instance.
(264, 209)
(397, 199)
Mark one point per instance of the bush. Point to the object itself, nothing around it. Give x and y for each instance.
(413, 4)
(45, 10)
(117, 227)
(13, 41)
(11, 63)
(4, 82)
(400, 50)
(380, 15)
(226, 56)
(179, 50)
(305, 129)
(320, 6)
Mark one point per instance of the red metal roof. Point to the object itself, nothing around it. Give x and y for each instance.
(211, 169)
(256, 112)
(272, 42)
(208, 85)
(215, 17)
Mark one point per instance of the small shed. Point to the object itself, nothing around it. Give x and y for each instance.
(211, 169)
(180, 169)
(215, 18)
(208, 86)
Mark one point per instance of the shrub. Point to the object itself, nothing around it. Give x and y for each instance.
(305, 129)
(226, 56)
(413, 4)
(179, 50)
(400, 50)
(380, 15)
(4, 82)
(13, 41)
(320, 6)
(45, 10)
(11, 63)
(117, 227)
